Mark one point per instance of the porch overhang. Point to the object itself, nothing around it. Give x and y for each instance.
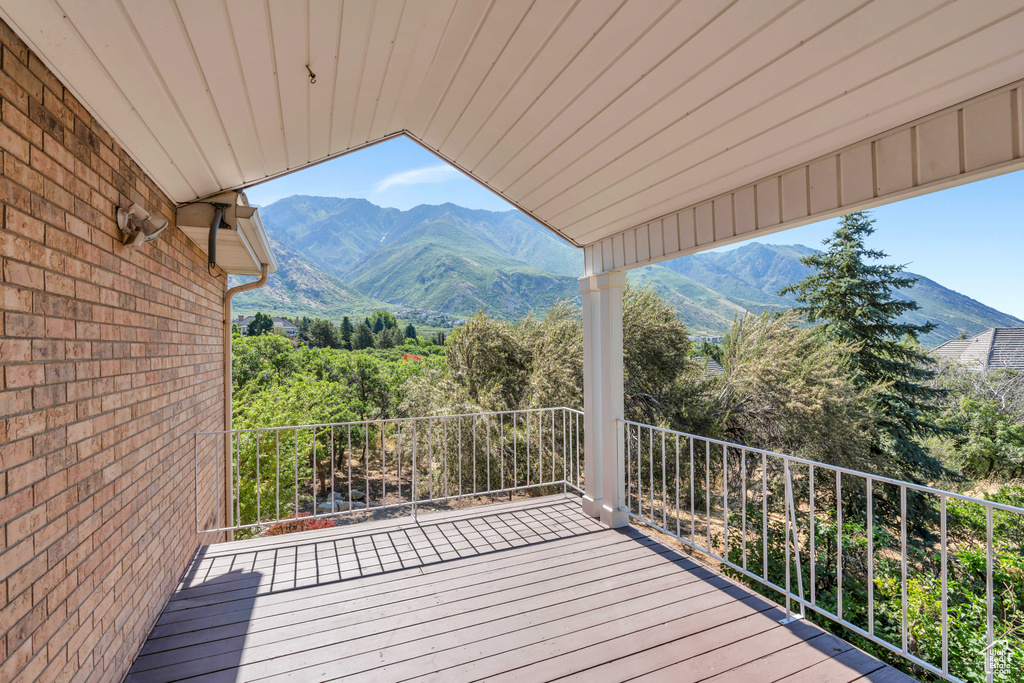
(639, 130)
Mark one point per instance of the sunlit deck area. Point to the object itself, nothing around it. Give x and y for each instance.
(528, 590)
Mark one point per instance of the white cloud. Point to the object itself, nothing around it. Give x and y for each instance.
(417, 176)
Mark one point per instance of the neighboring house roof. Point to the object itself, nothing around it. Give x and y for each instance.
(996, 348)
(711, 366)
(286, 325)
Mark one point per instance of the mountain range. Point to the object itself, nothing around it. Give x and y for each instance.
(348, 257)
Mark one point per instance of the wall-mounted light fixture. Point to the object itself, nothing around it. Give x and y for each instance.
(138, 226)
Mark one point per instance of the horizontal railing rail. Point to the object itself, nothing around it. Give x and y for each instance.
(734, 503)
(294, 474)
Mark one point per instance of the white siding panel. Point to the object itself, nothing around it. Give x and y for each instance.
(671, 229)
(657, 233)
(542, 19)
(629, 240)
(488, 45)
(824, 184)
(687, 229)
(745, 208)
(678, 46)
(856, 166)
(383, 32)
(459, 37)
(988, 132)
(938, 148)
(620, 252)
(727, 114)
(415, 23)
(643, 243)
(611, 40)
(662, 184)
(129, 65)
(724, 227)
(794, 194)
(324, 42)
(569, 39)
(250, 33)
(704, 216)
(69, 57)
(165, 39)
(769, 204)
(894, 163)
(356, 23)
(289, 23)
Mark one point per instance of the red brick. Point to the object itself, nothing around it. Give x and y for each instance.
(23, 274)
(25, 375)
(25, 225)
(14, 402)
(22, 325)
(12, 143)
(21, 75)
(15, 299)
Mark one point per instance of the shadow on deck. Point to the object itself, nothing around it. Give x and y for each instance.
(531, 590)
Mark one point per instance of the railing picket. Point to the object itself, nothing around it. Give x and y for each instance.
(813, 552)
(989, 593)
(664, 484)
(725, 499)
(871, 558)
(707, 487)
(764, 516)
(839, 545)
(693, 514)
(943, 569)
(277, 480)
(903, 564)
(678, 482)
(743, 492)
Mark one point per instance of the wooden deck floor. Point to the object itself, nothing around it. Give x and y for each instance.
(526, 591)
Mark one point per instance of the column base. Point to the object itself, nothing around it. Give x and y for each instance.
(592, 507)
(614, 518)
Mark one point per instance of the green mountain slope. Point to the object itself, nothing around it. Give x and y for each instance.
(750, 277)
(300, 288)
(426, 270)
(347, 256)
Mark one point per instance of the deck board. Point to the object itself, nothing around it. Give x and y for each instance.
(529, 590)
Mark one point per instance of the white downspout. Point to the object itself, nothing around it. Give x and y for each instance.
(228, 493)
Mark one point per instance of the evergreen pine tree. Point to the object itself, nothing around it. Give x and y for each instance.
(378, 326)
(346, 333)
(363, 337)
(410, 331)
(851, 300)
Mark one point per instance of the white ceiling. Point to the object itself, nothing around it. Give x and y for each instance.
(592, 115)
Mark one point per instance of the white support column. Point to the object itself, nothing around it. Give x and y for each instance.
(592, 421)
(610, 398)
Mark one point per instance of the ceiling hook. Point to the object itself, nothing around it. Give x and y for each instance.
(312, 76)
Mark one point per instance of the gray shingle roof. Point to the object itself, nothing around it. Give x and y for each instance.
(996, 348)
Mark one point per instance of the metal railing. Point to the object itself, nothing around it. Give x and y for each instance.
(307, 472)
(737, 504)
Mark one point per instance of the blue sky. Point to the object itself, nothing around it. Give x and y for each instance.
(968, 238)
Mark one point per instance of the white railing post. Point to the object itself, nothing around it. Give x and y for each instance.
(592, 419)
(610, 397)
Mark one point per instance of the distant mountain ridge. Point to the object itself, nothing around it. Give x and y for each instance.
(348, 256)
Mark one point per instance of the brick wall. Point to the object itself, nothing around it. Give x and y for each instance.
(110, 361)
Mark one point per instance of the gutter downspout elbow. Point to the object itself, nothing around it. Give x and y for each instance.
(228, 484)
